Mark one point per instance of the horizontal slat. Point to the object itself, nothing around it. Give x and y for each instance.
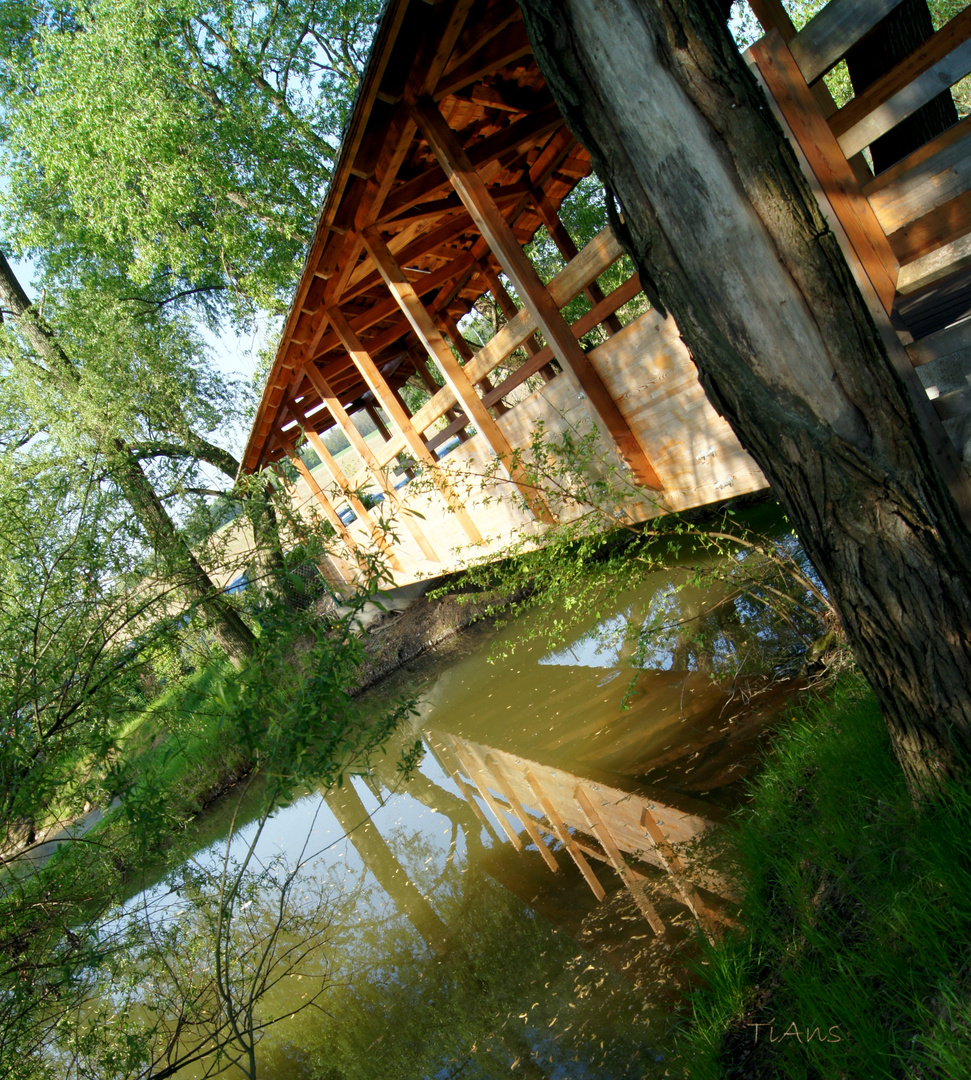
(954, 404)
(943, 60)
(945, 342)
(925, 179)
(830, 34)
(933, 230)
(935, 266)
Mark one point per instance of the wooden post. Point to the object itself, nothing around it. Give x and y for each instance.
(382, 392)
(562, 833)
(675, 867)
(508, 307)
(467, 353)
(504, 245)
(375, 416)
(442, 753)
(465, 393)
(519, 811)
(569, 250)
(337, 474)
(357, 440)
(318, 494)
(634, 882)
(472, 771)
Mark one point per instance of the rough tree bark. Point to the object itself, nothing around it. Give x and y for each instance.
(718, 214)
(234, 636)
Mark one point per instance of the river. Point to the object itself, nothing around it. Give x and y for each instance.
(530, 900)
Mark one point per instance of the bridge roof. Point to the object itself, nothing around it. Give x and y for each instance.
(473, 59)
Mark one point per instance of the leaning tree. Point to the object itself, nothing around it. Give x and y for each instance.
(719, 217)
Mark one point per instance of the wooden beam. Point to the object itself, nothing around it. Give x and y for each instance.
(534, 294)
(937, 171)
(315, 489)
(945, 342)
(444, 759)
(456, 380)
(562, 833)
(829, 35)
(940, 226)
(634, 882)
(942, 60)
(357, 441)
(340, 479)
(517, 808)
(676, 868)
(393, 409)
(472, 770)
(812, 134)
(568, 249)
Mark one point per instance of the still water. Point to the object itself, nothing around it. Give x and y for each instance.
(530, 899)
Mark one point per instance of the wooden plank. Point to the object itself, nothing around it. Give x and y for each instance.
(938, 264)
(534, 294)
(517, 808)
(497, 53)
(936, 172)
(472, 772)
(358, 442)
(945, 342)
(942, 60)
(773, 16)
(567, 248)
(339, 478)
(953, 405)
(394, 409)
(632, 881)
(455, 377)
(933, 230)
(814, 138)
(562, 833)
(830, 34)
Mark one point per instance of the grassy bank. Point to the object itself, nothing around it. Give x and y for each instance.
(855, 960)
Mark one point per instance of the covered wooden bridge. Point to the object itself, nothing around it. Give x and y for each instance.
(455, 158)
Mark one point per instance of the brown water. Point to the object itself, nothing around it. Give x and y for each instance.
(526, 902)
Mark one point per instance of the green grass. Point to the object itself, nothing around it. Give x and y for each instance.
(857, 911)
(179, 744)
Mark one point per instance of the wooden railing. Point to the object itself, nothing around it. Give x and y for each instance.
(908, 227)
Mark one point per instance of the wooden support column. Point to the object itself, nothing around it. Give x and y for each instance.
(562, 833)
(472, 771)
(315, 489)
(327, 568)
(502, 241)
(518, 810)
(569, 250)
(337, 475)
(676, 868)
(382, 392)
(467, 353)
(432, 387)
(378, 422)
(508, 307)
(357, 440)
(634, 882)
(465, 393)
(443, 755)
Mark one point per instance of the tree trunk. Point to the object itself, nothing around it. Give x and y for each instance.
(719, 216)
(233, 635)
